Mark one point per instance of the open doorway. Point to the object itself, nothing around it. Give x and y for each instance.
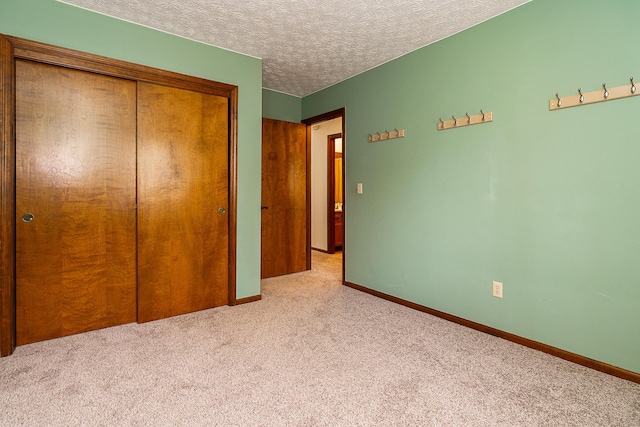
(327, 202)
(335, 191)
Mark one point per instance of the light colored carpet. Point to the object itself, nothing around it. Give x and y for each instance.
(311, 353)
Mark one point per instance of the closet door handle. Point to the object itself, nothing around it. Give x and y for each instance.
(221, 210)
(27, 217)
(264, 207)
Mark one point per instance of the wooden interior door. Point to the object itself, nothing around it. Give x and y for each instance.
(183, 196)
(285, 245)
(75, 183)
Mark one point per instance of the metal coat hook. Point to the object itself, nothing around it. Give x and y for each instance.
(441, 122)
(606, 92)
(455, 121)
(468, 118)
(633, 86)
(559, 100)
(483, 115)
(581, 95)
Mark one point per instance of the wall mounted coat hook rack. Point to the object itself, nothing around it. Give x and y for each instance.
(395, 133)
(476, 119)
(604, 94)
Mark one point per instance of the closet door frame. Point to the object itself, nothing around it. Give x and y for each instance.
(12, 48)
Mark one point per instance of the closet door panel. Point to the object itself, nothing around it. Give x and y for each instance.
(75, 201)
(183, 193)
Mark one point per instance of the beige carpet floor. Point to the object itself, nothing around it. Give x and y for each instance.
(311, 353)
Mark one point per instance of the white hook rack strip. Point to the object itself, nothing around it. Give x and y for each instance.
(386, 135)
(604, 94)
(467, 120)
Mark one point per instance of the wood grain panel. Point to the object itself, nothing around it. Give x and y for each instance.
(69, 58)
(16, 48)
(284, 246)
(7, 205)
(182, 182)
(75, 172)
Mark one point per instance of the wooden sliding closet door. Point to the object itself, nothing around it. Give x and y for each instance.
(75, 201)
(183, 189)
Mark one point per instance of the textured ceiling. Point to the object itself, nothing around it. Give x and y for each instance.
(307, 45)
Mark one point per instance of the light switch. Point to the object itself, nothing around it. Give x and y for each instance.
(359, 188)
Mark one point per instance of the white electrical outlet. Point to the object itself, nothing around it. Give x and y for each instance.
(497, 289)
(359, 188)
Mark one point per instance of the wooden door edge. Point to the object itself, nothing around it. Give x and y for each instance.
(344, 196)
(233, 196)
(308, 191)
(7, 190)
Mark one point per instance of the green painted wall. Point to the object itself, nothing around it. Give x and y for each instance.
(56, 23)
(280, 106)
(546, 202)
